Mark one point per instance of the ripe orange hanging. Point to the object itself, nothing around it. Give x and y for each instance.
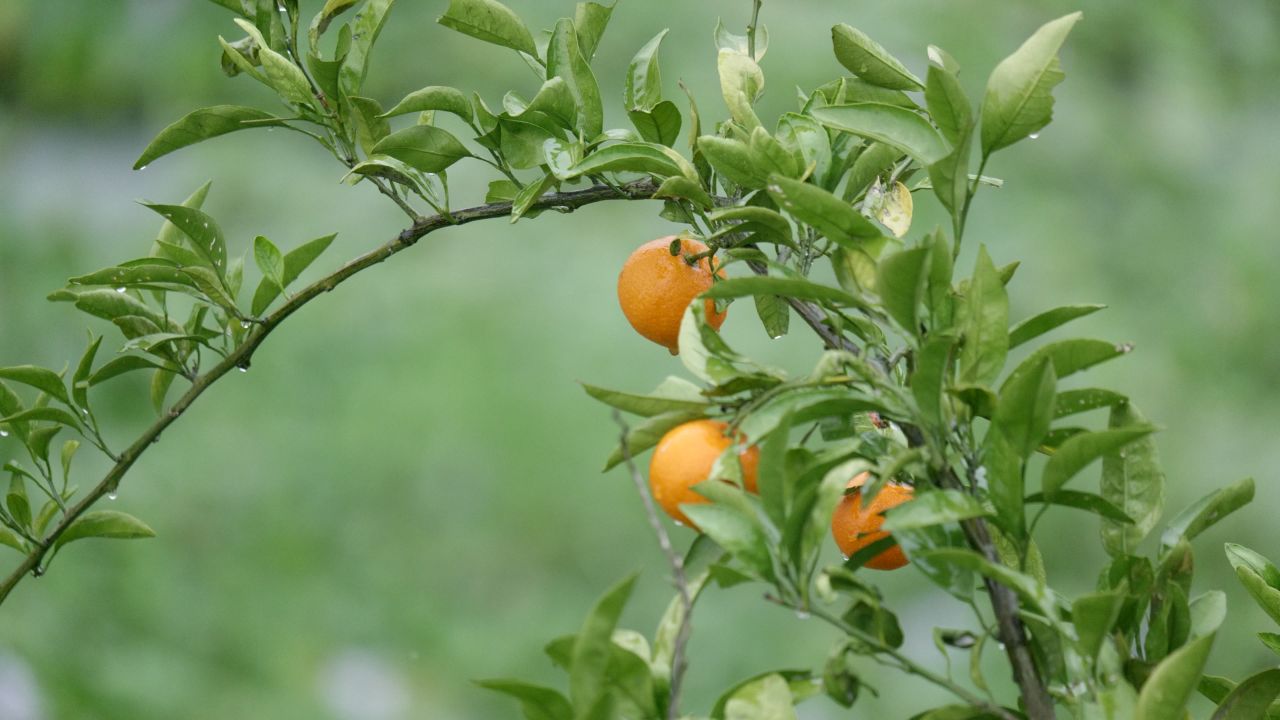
(684, 457)
(855, 527)
(656, 287)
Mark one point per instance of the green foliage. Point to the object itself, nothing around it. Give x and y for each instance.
(911, 390)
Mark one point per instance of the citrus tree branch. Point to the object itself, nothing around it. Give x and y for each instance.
(1004, 602)
(243, 353)
(678, 660)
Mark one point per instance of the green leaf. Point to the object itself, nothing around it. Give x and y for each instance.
(740, 44)
(1072, 356)
(161, 381)
(529, 195)
(1034, 327)
(1071, 402)
(269, 260)
(201, 125)
(768, 698)
(365, 28)
(537, 702)
(105, 524)
(1167, 690)
(900, 282)
(1133, 482)
(984, 317)
(1207, 611)
(660, 125)
(490, 21)
(39, 378)
(295, 262)
(565, 60)
(806, 136)
(37, 414)
(733, 160)
(16, 500)
(80, 381)
(1252, 698)
(774, 314)
(425, 147)
(1019, 99)
(949, 176)
(592, 648)
(865, 58)
(1089, 502)
(124, 364)
(932, 364)
(590, 20)
(370, 125)
(1025, 409)
(148, 275)
(201, 229)
(785, 287)
(282, 75)
(933, 508)
(332, 9)
(827, 213)
(643, 89)
(1093, 616)
(1030, 589)
(434, 97)
(741, 84)
(643, 405)
(892, 125)
(756, 220)
(1206, 512)
(947, 103)
(1258, 576)
(10, 538)
(1081, 450)
(634, 157)
(735, 532)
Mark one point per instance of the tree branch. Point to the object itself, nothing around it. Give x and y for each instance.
(1003, 600)
(243, 353)
(678, 662)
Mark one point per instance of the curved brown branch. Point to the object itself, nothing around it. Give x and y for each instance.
(240, 357)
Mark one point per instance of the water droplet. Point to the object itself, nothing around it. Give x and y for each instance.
(244, 324)
(206, 224)
(4, 433)
(144, 167)
(120, 289)
(243, 369)
(112, 496)
(678, 523)
(802, 615)
(1034, 135)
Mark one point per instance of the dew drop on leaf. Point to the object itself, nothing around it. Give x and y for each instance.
(4, 433)
(121, 289)
(1034, 136)
(112, 496)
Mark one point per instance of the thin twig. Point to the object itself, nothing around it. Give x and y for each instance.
(900, 661)
(243, 353)
(678, 662)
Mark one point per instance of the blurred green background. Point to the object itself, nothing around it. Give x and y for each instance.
(404, 492)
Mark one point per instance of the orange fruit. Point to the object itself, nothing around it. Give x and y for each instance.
(684, 457)
(656, 287)
(855, 527)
